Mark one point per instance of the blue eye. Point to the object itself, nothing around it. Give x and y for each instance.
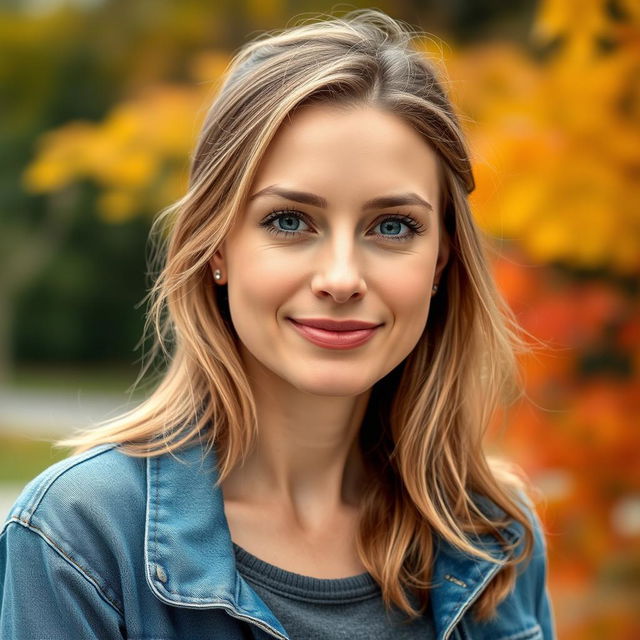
(289, 222)
(286, 222)
(391, 228)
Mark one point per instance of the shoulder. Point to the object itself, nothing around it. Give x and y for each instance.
(92, 483)
(87, 513)
(526, 611)
(531, 572)
(525, 503)
(89, 508)
(530, 592)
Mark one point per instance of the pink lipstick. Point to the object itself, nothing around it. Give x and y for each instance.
(335, 334)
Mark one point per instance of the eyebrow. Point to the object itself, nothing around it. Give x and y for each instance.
(312, 199)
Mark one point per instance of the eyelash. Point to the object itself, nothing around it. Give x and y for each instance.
(416, 228)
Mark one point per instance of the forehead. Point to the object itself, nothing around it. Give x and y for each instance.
(349, 153)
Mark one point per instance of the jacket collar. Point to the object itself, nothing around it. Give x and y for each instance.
(190, 561)
(459, 578)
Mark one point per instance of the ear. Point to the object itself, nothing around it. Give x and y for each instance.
(218, 262)
(443, 255)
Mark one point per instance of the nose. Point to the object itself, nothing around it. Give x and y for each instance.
(338, 273)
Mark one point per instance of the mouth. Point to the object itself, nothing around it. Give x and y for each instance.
(335, 334)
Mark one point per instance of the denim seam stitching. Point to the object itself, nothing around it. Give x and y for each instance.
(50, 478)
(525, 634)
(156, 473)
(83, 572)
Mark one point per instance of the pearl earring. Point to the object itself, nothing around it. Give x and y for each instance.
(434, 289)
(217, 274)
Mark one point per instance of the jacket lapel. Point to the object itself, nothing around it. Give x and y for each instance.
(189, 555)
(190, 560)
(460, 578)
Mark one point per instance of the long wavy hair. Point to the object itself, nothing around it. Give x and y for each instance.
(422, 434)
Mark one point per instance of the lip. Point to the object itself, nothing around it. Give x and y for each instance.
(330, 324)
(335, 334)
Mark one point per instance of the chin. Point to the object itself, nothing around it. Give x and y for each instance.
(333, 385)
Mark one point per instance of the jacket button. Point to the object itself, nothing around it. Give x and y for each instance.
(160, 573)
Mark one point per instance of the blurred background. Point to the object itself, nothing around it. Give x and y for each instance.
(100, 105)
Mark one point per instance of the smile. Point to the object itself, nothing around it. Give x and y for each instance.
(330, 334)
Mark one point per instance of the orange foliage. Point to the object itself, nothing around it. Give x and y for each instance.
(557, 163)
(558, 142)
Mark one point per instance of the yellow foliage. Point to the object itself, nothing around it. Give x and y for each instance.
(576, 20)
(557, 145)
(59, 159)
(209, 66)
(47, 175)
(117, 205)
(138, 141)
(170, 119)
(265, 12)
(169, 188)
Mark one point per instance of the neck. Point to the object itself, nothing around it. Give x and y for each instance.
(306, 460)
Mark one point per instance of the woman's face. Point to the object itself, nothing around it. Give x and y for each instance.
(342, 224)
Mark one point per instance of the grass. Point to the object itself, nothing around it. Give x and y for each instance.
(111, 379)
(21, 459)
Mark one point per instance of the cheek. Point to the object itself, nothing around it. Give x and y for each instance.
(407, 281)
(407, 293)
(410, 300)
(260, 281)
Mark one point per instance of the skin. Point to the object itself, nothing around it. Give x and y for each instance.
(296, 496)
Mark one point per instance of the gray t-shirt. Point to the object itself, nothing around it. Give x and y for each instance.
(327, 609)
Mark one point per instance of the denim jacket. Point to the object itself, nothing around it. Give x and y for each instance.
(103, 545)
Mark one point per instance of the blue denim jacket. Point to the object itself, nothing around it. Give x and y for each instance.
(104, 545)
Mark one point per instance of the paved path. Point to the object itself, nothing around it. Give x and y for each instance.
(50, 415)
(55, 413)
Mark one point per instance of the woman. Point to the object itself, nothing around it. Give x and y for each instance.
(310, 465)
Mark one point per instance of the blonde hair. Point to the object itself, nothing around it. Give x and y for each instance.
(423, 431)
